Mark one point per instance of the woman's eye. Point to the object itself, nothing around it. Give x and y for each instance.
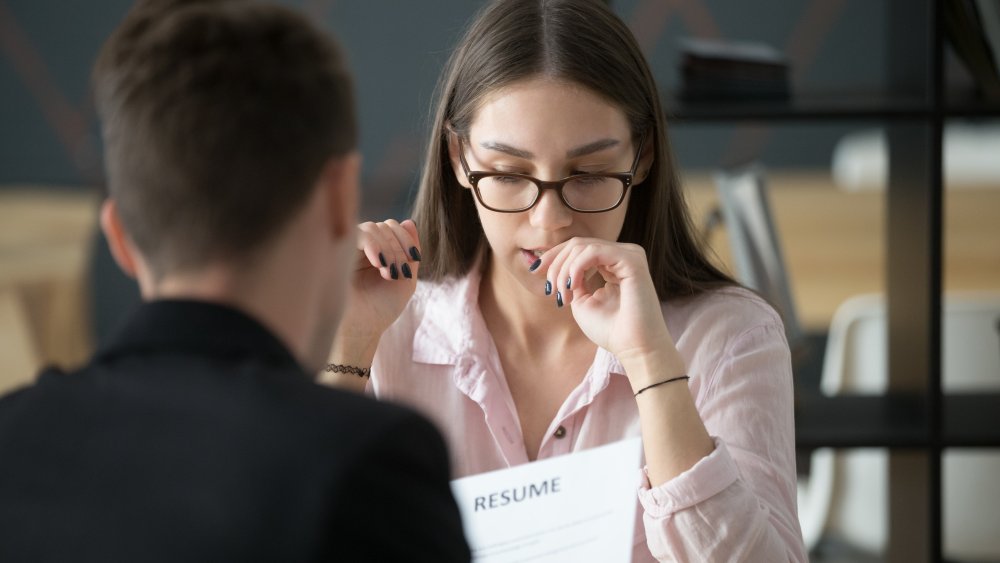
(505, 179)
(587, 179)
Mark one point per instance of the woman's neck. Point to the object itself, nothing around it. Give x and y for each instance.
(520, 318)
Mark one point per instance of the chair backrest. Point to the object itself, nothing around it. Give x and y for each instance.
(971, 342)
(754, 241)
(855, 361)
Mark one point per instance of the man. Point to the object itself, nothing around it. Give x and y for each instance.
(198, 434)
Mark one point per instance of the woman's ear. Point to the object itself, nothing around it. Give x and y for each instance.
(454, 151)
(646, 159)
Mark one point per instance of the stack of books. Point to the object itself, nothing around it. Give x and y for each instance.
(729, 70)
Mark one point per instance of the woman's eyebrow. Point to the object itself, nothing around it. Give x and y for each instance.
(589, 148)
(592, 147)
(507, 149)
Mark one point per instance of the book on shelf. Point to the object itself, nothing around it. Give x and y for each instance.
(973, 29)
(989, 17)
(731, 70)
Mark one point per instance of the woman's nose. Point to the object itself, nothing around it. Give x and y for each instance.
(550, 213)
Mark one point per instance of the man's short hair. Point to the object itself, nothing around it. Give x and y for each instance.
(217, 117)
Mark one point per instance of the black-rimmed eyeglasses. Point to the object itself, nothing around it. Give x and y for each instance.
(507, 192)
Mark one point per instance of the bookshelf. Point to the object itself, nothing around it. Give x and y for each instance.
(874, 106)
(915, 419)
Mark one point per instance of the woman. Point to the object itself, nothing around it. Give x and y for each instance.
(564, 302)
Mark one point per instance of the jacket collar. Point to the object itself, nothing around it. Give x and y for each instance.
(197, 327)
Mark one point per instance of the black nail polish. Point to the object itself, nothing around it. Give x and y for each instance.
(393, 272)
(381, 259)
(535, 265)
(569, 281)
(548, 287)
(559, 301)
(406, 271)
(415, 254)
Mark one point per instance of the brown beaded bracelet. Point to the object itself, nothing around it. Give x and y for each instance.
(665, 381)
(337, 368)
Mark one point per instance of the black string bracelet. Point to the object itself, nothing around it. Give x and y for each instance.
(664, 382)
(360, 372)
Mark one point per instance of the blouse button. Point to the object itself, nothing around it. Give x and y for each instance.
(560, 432)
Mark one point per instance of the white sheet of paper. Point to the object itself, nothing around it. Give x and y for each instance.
(572, 508)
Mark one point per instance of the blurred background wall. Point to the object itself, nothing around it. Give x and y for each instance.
(396, 49)
(49, 138)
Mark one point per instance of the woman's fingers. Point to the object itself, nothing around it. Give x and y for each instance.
(391, 247)
(405, 248)
(563, 278)
(574, 268)
(411, 229)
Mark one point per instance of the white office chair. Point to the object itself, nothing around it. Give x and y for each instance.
(854, 481)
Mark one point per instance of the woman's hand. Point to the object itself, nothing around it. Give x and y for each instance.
(612, 297)
(385, 277)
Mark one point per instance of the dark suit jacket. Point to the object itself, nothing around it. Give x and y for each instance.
(197, 437)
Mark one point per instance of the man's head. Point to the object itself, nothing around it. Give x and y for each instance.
(218, 117)
(230, 137)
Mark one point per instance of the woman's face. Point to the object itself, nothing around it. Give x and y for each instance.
(548, 129)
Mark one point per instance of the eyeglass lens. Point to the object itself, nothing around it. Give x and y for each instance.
(585, 193)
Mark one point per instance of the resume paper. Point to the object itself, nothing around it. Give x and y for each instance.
(572, 508)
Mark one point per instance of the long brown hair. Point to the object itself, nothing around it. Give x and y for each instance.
(582, 42)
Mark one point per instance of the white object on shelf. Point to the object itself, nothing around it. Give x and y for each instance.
(971, 158)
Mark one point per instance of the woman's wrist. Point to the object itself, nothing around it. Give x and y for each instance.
(350, 361)
(648, 368)
(354, 348)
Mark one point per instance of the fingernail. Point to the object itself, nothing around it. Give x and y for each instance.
(559, 301)
(393, 272)
(406, 271)
(535, 265)
(569, 281)
(381, 259)
(414, 253)
(548, 287)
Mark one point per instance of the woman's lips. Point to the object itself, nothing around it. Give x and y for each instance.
(530, 256)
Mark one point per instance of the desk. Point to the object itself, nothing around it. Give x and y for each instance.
(45, 239)
(834, 241)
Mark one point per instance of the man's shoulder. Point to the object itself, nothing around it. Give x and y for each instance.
(277, 401)
(337, 404)
(23, 396)
(336, 412)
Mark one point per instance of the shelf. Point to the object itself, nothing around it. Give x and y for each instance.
(894, 421)
(801, 107)
(860, 421)
(967, 104)
(861, 107)
(972, 420)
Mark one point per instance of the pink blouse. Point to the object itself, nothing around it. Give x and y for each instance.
(736, 504)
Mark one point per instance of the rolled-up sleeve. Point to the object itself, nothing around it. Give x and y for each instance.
(739, 502)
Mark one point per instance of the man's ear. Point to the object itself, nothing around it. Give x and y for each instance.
(118, 243)
(340, 178)
(454, 146)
